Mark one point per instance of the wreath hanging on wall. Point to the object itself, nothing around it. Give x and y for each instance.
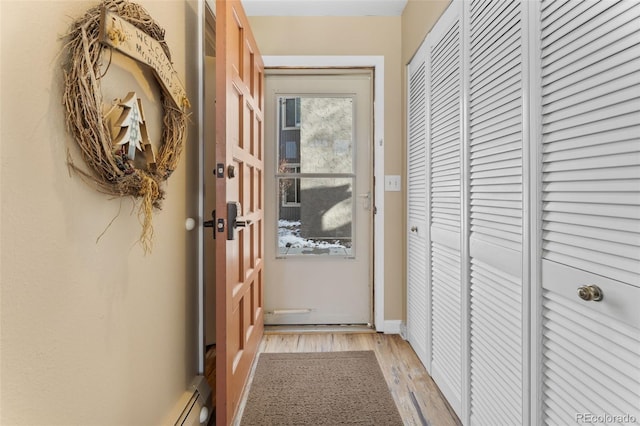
(116, 24)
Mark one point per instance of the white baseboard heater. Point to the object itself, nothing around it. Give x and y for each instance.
(198, 408)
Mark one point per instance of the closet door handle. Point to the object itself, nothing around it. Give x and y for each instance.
(590, 293)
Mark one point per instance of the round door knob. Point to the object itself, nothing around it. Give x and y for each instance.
(414, 229)
(590, 293)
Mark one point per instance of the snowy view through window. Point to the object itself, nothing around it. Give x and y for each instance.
(290, 242)
(315, 176)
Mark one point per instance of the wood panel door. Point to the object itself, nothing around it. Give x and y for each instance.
(239, 171)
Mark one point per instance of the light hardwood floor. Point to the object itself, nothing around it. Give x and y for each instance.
(418, 399)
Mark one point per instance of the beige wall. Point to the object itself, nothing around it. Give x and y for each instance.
(92, 332)
(379, 36)
(95, 332)
(418, 18)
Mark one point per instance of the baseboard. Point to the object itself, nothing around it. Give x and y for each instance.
(307, 329)
(195, 406)
(403, 330)
(393, 326)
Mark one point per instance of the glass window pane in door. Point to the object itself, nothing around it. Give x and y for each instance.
(326, 135)
(321, 223)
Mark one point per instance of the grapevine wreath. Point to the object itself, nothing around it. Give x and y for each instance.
(110, 170)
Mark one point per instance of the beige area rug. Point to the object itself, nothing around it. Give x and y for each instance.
(319, 388)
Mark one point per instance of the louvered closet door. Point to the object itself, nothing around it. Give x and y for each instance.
(496, 145)
(417, 243)
(444, 121)
(591, 210)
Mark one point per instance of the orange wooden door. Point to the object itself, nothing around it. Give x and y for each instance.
(239, 247)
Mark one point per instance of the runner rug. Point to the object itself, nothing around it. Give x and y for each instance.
(319, 388)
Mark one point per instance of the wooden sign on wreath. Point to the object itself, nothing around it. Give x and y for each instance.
(128, 28)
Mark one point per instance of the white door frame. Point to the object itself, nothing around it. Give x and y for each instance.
(377, 63)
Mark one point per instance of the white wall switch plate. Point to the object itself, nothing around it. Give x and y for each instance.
(392, 183)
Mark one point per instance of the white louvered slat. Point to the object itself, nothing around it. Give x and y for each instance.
(574, 29)
(559, 219)
(496, 122)
(591, 81)
(590, 151)
(445, 130)
(566, 24)
(417, 250)
(496, 352)
(593, 232)
(591, 136)
(495, 146)
(588, 50)
(446, 320)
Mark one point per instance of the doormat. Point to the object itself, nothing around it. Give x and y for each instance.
(319, 388)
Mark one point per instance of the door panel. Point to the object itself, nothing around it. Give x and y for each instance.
(590, 211)
(418, 309)
(239, 277)
(319, 206)
(496, 131)
(445, 190)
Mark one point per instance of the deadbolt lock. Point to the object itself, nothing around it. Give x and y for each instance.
(590, 293)
(219, 172)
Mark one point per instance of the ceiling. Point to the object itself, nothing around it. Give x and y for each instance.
(324, 7)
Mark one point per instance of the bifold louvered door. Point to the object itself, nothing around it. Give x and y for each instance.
(444, 167)
(417, 210)
(496, 137)
(590, 98)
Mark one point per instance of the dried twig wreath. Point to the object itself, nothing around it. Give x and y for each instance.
(110, 173)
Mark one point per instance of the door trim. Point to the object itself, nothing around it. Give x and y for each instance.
(199, 104)
(377, 63)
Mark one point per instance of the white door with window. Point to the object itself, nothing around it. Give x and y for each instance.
(318, 197)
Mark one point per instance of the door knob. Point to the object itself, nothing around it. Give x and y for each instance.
(233, 211)
(414, 229)
(590, 293)
(367, 200)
